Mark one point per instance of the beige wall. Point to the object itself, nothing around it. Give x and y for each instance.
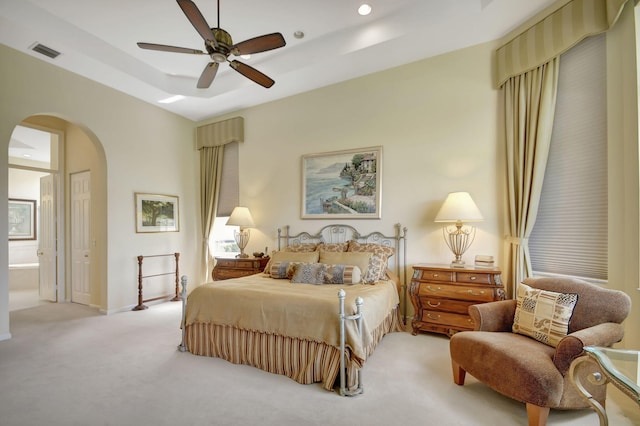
(146, 149)
(624, 189)
(437, 122)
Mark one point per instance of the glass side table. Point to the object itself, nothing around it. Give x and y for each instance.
(616, 366)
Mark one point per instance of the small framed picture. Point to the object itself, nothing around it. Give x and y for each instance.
(157, 213)
(22, 219)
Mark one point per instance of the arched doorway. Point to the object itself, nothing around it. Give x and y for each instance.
(81, 154)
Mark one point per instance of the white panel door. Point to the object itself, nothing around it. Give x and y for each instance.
(47, 239)
(81, 238)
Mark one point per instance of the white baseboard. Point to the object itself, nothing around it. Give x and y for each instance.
(6, 336)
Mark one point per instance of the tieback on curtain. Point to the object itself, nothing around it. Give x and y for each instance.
(517, 241)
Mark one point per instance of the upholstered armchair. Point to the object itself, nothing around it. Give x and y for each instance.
(536, 371)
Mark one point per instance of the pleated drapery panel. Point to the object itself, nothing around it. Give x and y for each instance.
(210, 181)
(529, 101)
(555, 34)
(210, 141)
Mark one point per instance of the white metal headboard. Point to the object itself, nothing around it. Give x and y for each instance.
(339, 233)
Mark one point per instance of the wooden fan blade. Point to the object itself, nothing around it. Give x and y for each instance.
(165, 48)
(208, 74)
(252, 74)
(259, 44)
(197, 20)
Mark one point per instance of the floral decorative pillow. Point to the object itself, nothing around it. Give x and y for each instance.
(333, 247)
(378, 262)
(302, 248)
(321, 273)
(543, 315)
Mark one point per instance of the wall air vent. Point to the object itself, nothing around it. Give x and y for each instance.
(44, 50)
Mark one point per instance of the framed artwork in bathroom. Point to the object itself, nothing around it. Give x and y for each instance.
(22, 219)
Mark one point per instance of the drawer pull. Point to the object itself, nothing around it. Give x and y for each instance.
(433, 317)
(433, 289)
(435, 275)
(472, 278)
(481, 293)
(432, 304)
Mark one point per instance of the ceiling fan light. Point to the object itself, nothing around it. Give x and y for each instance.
(364, 9)
(219, 57)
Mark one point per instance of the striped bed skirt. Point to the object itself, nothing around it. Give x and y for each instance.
(304, 361)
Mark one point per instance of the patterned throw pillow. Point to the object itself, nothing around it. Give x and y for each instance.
(290, 256)
(282, 269)
(378, 262)
(333, 247)
(302, 248)
(543, 315)
(321, 273)
(309, 273)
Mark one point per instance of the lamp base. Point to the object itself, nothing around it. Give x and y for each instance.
(457, 264)
(242, 256)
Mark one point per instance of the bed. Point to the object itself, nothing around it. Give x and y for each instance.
(306, 316)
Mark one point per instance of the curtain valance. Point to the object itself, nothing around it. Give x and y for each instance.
(555, 34)
(220, 133)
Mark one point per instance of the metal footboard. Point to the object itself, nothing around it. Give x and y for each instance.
(357, 317)
(183, 280)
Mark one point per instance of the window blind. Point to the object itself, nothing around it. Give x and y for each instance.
(570, 234)
(229, 196)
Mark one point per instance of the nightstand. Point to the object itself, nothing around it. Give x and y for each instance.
(235, 267)
(441, 296)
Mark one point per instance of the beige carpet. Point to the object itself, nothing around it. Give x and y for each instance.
(68, 365)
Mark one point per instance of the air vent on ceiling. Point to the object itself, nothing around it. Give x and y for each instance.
(46, 51)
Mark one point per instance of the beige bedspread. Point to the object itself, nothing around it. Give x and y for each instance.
(303, 311)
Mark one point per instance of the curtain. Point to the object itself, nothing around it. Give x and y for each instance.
(555, 34)
(210, 173)
(529, 101)
(210, 141)
(527, 72)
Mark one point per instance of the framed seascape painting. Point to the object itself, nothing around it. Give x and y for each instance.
(342, 184)
(22, 219)
(157, 213)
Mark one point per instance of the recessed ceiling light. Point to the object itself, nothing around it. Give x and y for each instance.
(364, 9)
(26, 155)
(172, 99)
(298, 34)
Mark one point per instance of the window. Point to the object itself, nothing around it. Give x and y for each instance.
(223, 242)
(570, 233)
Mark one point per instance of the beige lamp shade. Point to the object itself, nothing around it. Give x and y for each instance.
(241, 216)
(459, 206)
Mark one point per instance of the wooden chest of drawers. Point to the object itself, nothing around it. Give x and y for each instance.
(441, 296)
(234, 267)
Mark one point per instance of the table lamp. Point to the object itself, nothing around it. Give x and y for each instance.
(459, 207)
(241, 216)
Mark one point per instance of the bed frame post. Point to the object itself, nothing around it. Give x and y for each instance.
(343, 317)
(182, 347)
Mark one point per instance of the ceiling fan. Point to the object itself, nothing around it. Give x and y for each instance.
(219, 46)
